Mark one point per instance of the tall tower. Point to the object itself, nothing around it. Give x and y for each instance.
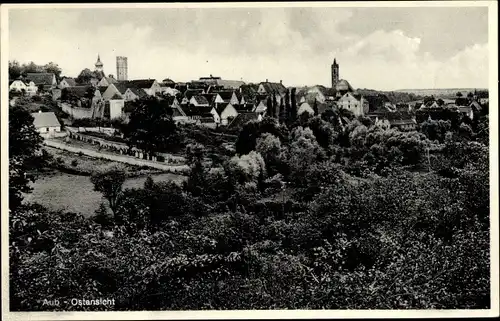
(98, 64)
(121, 68)
(335, 73)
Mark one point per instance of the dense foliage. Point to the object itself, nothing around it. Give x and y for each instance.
(310, 215)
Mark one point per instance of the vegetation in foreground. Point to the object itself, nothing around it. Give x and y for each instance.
(372, 218)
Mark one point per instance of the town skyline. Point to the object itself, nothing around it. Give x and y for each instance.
(376, 48)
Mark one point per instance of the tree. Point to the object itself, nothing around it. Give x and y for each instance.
(288, 110)
(15, 70)
(85, 76)
(270, 106)
(294, 104)
(269, 146)
(275, 105)
(459, 94)
(53, 68)
(109, 182)
(315, 107)
(24, 142)
(150, 128)
(282, 111)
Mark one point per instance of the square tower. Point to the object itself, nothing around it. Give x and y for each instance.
(121, 68)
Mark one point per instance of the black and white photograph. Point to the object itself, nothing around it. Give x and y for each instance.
(221, 157)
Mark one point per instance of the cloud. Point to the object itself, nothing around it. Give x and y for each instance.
(296, 45)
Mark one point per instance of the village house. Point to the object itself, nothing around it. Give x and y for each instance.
(343, 87)
(226, 112)
(353, 102)
(27, 86)
(46, 124)
(403, 124)
(261, 107)
(132, 94)
(150, 86)
(189, 93)
(199, 101)
(243, 118)
(379, 103)
(106, 81)
(318, 93)
(118, 88)
(116, 105)
(43, 80)
(305, 108)
(67, 82)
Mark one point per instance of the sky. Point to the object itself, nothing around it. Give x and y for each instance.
(376, 48)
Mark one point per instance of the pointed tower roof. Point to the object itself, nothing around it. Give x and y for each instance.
(98, 63)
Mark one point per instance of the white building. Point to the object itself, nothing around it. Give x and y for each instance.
(46, 124)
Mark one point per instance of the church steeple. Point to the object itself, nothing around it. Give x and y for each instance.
(335, 73)
(98, 64)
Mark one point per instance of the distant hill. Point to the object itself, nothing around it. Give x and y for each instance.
(440, 92)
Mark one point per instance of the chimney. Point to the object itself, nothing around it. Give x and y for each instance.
(281, 82)
(267, 80)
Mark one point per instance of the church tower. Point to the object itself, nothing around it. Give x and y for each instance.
(335, 73)
(98, 64)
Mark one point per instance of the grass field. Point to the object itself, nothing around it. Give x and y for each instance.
(75, 193)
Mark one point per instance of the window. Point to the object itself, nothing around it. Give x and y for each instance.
(48, 129)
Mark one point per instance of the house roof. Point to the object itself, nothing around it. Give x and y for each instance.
(141, 83)
(78, 91)
(210, 97)
(191, 110)
(122, 86)
(225, 95)
(399, 122)
(462, 101)
(110, 80)
(102, 89)
(47, 119)
(242, 118)
(232, 84)
(116, 97)
(168, 81)
(139, 92)
(305, 107)
(270, 87)
(70, 81)
(343, 85)
(192, 92)
(465, 109)
(249, 89)
(42, 78)
(201, 100)
(261, 107)
(476, 105)
(221, 106)
(169, 99)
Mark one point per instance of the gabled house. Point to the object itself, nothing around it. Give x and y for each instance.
(379, 103)
(226, 112)
(243, 118)
(230, 84)
(261, 107)
(17, 85)
(150, 86)
(167, 82)
(132, 94)
(67, 82)
(106, 81)
(117, 88)
(466, 111)
(43, 80)
(271, 87)
(27, 86)
(226, 97)
(353, 102)
(199, 101)
(305, 108)
(189, 93)
(46, 124)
